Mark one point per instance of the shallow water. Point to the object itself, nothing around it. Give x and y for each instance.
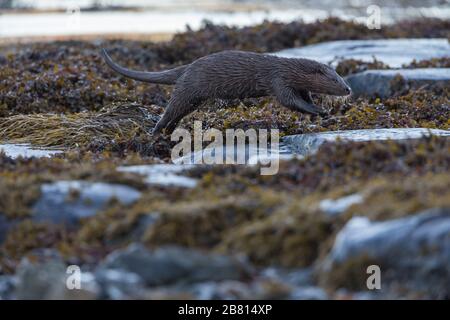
(52, 24)
(173, 16)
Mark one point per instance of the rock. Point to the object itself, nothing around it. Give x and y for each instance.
(37, 280)
(259, 289)
(335, 207)
(168, 265)
(393, 52)
(26, 151)
(43, 275)
(235, 154)
(300, 281)
(298, 277)
(306, 144)
(163, 174)
(362, 295)
(69, 201)
(143, 224)
(5, 225)
(89, 289)
(379, 83)
(414, 251)
(308, 293)
(7, 287)
(119, 284)
(427, 229)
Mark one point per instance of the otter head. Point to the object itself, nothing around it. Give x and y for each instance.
(324, 80)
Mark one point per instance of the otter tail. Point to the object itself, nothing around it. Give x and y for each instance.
(163, 77)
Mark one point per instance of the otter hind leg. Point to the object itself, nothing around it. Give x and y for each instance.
(177, 108)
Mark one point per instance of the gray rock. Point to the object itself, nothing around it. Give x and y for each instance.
(414, 249)
(5, 225)
(37, 280)
(300, 281)
(335, 207)
(235, 154)
(143, 224)
(393, 52)
(7, 287)
(295, 277)
(163, 174)
(56, 206)
(364, 295)
(258, 289)
(378, 83)
(305, 144)
(45, 276)
(26, 151)
(360, 235)
(168, 265)
(308, 293)
(119, 284)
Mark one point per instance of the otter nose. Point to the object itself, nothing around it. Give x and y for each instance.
(348, 90)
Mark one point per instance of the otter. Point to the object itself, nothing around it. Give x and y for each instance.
(240, 74)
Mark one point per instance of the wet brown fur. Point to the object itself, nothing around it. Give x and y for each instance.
(239, 74)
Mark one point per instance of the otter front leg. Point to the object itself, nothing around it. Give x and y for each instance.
(306, 95)
(293, 100)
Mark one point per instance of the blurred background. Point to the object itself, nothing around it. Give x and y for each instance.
(50, 18)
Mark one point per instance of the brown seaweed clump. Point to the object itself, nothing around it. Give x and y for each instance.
(74, 130)
(443, 62)
(351, 66)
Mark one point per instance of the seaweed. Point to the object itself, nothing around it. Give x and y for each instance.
(116, 123)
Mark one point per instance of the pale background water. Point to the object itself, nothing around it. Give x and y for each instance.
(60, 17)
